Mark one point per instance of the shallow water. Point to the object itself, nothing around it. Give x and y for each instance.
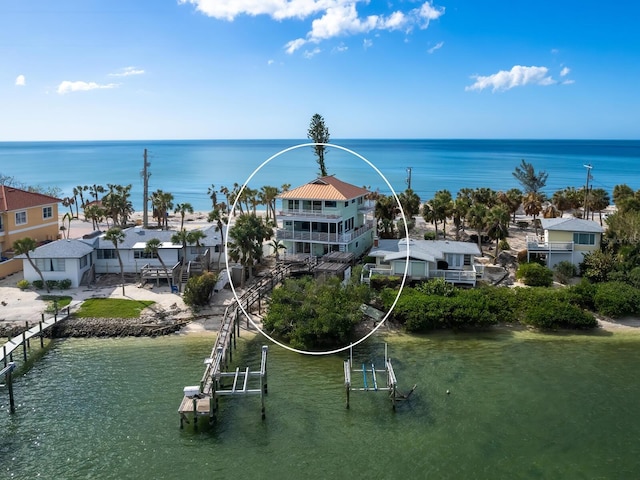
(521, 405)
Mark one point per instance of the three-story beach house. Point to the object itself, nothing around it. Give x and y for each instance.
(325, 215)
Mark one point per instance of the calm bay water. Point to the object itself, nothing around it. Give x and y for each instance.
(188, 168)
(522, 405)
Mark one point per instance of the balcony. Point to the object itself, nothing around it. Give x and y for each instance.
(537, 244)
(323, 237)
(310, 214)
(468, 277)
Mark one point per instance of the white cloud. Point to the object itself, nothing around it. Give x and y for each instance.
(437, 46)
(340, 48)
(367, 43)
(80, 86)
(128, 71)
(21, 81)
(311, 53)
(518, 76)
(331, 18)
(568, 82)
(565, 71)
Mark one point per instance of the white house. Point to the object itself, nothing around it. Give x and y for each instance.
(451, 260)
(567, 239)
(73, 258)
(60, 260)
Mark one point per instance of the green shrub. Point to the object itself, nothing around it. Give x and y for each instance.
(52, 284)
(437, 286)
(582, 294)
(633, 277)
(38, 284)
(198, 289)
(522, 224)
(64, 284)
(617, 299)
(550, 313)
(535, 275)
(379, 282)
(597, 265)
(411, 223)
(23, 284)
(504, 245)
(565, 271)
(429, 235)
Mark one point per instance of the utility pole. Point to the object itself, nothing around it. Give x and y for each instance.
(145, 192)
(586, 192)
(409, 178)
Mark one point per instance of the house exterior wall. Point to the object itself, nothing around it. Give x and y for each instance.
(72, 271)
(37, 226)
(579, 251)
(130, 264)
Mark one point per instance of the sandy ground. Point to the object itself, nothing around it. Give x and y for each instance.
(18, 306)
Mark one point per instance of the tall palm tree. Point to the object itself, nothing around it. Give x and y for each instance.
(477, 218)
(248, 233)
(219, 216)
(385, 212)
(268, 195)
(162, 203)
(68, 218)
(24, 246)
(180, 238)
(512, 199)
(277, 245)
(183, 209)
(213, 195)
(498, 226)
(598, 200)
(116, 236)
(153, 247)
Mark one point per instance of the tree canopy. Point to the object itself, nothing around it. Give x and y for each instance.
(319, 133)
(531, 181)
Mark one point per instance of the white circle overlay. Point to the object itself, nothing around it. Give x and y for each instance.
(406, 266)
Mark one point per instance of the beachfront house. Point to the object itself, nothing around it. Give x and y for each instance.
(325, 215)
(567, 239)
(24, 214)
(453, 261)
(61, 260)
(73, 258)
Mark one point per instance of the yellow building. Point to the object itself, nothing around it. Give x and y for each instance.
(25, 214)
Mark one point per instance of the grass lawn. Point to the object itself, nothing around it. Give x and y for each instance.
(112, 308)
(62, 301)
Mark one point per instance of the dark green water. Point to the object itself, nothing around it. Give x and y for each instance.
(522, 405)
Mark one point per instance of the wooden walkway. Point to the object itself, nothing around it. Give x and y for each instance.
(202, 400)
(35, 331)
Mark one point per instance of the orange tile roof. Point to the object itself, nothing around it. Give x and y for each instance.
(325, 188)
(12, 198)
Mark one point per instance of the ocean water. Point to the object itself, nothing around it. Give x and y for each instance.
(521, 406)
(187, 168)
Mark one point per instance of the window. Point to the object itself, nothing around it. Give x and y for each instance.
(330, 204)
(360, 200)
(107, 254)
(346, 204)
(584, 238)
(21, 218)
(1, 224)
(143, 254)
(294, 204)
(50, 264)
(84, 261)
(47, 212)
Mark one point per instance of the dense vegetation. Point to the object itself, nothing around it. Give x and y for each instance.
(199, 289)
(313, 314)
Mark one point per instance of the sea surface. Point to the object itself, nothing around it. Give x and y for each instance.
(521, 405)
(187, 168)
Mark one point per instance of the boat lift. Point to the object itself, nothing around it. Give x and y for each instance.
(370, 381)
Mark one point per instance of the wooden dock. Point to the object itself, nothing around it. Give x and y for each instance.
(24, 340)
(202, 400)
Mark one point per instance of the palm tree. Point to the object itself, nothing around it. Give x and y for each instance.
(277, 245)
(268, 195)
(194, 237)
(410, 202)
(248, 233)
(512, 199)
(162, 202)
(183, 209)
(385, 212)
(153, 247)
(598, 201)
(219, 216)
(180, 238)
(24, 246)
(67, 217)
(95, 190)
(116, 235)
(68, 202)
(477, 218)
(94, 212)
(561, 201)
(213, 195)
(498, 226)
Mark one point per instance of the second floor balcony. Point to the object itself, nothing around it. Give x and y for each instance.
(323, 237)
(539, 244)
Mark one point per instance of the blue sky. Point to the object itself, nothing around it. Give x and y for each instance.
(222, 69)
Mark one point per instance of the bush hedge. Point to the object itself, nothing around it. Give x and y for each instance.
(617, 299)
(199, 289)
(535, 275)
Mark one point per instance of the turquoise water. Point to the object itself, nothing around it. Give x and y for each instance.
(187, 168)
(521, 405)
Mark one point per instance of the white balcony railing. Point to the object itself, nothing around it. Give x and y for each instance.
(537, 244)
(290, 212)
(323, 237)
(453, 276)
